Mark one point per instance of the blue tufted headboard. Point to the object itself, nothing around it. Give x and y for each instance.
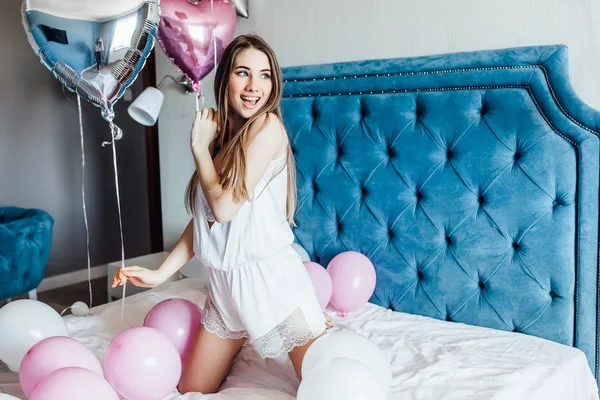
(471, 180)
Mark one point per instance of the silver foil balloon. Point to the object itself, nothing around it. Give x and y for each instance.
(241, 6)
(95, 48)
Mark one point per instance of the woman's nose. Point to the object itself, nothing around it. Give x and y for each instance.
(252, 85)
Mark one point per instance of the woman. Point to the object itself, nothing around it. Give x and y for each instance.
(242, 196)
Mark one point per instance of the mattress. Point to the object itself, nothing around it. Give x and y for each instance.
(430, 359)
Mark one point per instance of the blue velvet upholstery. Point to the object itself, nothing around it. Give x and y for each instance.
(25, 240)
(471, 180)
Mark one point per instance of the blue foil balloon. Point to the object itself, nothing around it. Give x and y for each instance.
(95, 48)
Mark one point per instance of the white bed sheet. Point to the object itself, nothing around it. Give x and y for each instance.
(430, 359)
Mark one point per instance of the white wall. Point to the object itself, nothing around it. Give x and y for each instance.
(322, 31)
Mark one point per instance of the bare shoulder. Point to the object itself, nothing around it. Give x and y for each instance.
(268, 127)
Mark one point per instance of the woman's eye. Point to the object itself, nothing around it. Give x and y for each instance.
(265, 76)
(242, 73)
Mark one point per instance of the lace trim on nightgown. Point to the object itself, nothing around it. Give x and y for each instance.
(293, 332)
(209, 214)
(213, 323)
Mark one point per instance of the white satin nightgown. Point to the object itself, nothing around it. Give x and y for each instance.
(259, 287)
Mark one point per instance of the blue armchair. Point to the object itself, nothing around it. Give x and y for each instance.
(25, 240)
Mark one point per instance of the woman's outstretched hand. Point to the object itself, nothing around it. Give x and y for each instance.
(328, 320)
(204, 129)
(138, 276)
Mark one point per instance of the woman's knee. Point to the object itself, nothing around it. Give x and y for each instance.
(187, 385)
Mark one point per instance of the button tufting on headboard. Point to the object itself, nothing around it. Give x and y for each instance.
(363, 191)
(340, 151)
(391, 152)
(363, 109)
(315, 188)
(482, 172)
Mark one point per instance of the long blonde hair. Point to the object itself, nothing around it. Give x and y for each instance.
(235, 144)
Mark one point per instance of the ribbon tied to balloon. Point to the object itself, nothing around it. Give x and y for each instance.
(193, 35)
(94, 48)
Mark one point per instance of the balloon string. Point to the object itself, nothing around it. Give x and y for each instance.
(199, 94)
(65, 310)
(199, 100)
(212, 10)
(85, 218)
(114, 151)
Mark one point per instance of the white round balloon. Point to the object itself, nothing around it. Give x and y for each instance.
(341, 379)
(80, 309)
(4, 396)
(348, 344)
(301, 252)
(23, 323)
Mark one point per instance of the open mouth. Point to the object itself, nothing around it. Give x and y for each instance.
(250, 101)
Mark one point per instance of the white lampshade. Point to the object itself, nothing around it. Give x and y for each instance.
(146, 107)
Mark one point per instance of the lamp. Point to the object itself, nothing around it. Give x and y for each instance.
(146, 107)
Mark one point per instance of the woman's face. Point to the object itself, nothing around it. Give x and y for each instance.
(249, 83)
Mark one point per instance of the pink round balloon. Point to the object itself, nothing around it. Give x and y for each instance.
(321, 282)
(52, 354)
(73, 383)
(186, 34)
(353, 279)
(142, 363)
(178, 319)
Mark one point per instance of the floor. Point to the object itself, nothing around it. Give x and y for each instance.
(59, 299)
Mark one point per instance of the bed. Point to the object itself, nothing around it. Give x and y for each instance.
(471, 180)
(430, 359)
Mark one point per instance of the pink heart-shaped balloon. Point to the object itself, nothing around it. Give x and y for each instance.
(186, 33)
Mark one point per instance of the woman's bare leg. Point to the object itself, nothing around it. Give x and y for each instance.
(297, 355)
(208, 362)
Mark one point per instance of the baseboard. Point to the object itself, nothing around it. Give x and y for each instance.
(71, 278)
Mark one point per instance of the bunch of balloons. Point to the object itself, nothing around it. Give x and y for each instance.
(347, 283)
(343, 364)
(141, 362)
(98, 50)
